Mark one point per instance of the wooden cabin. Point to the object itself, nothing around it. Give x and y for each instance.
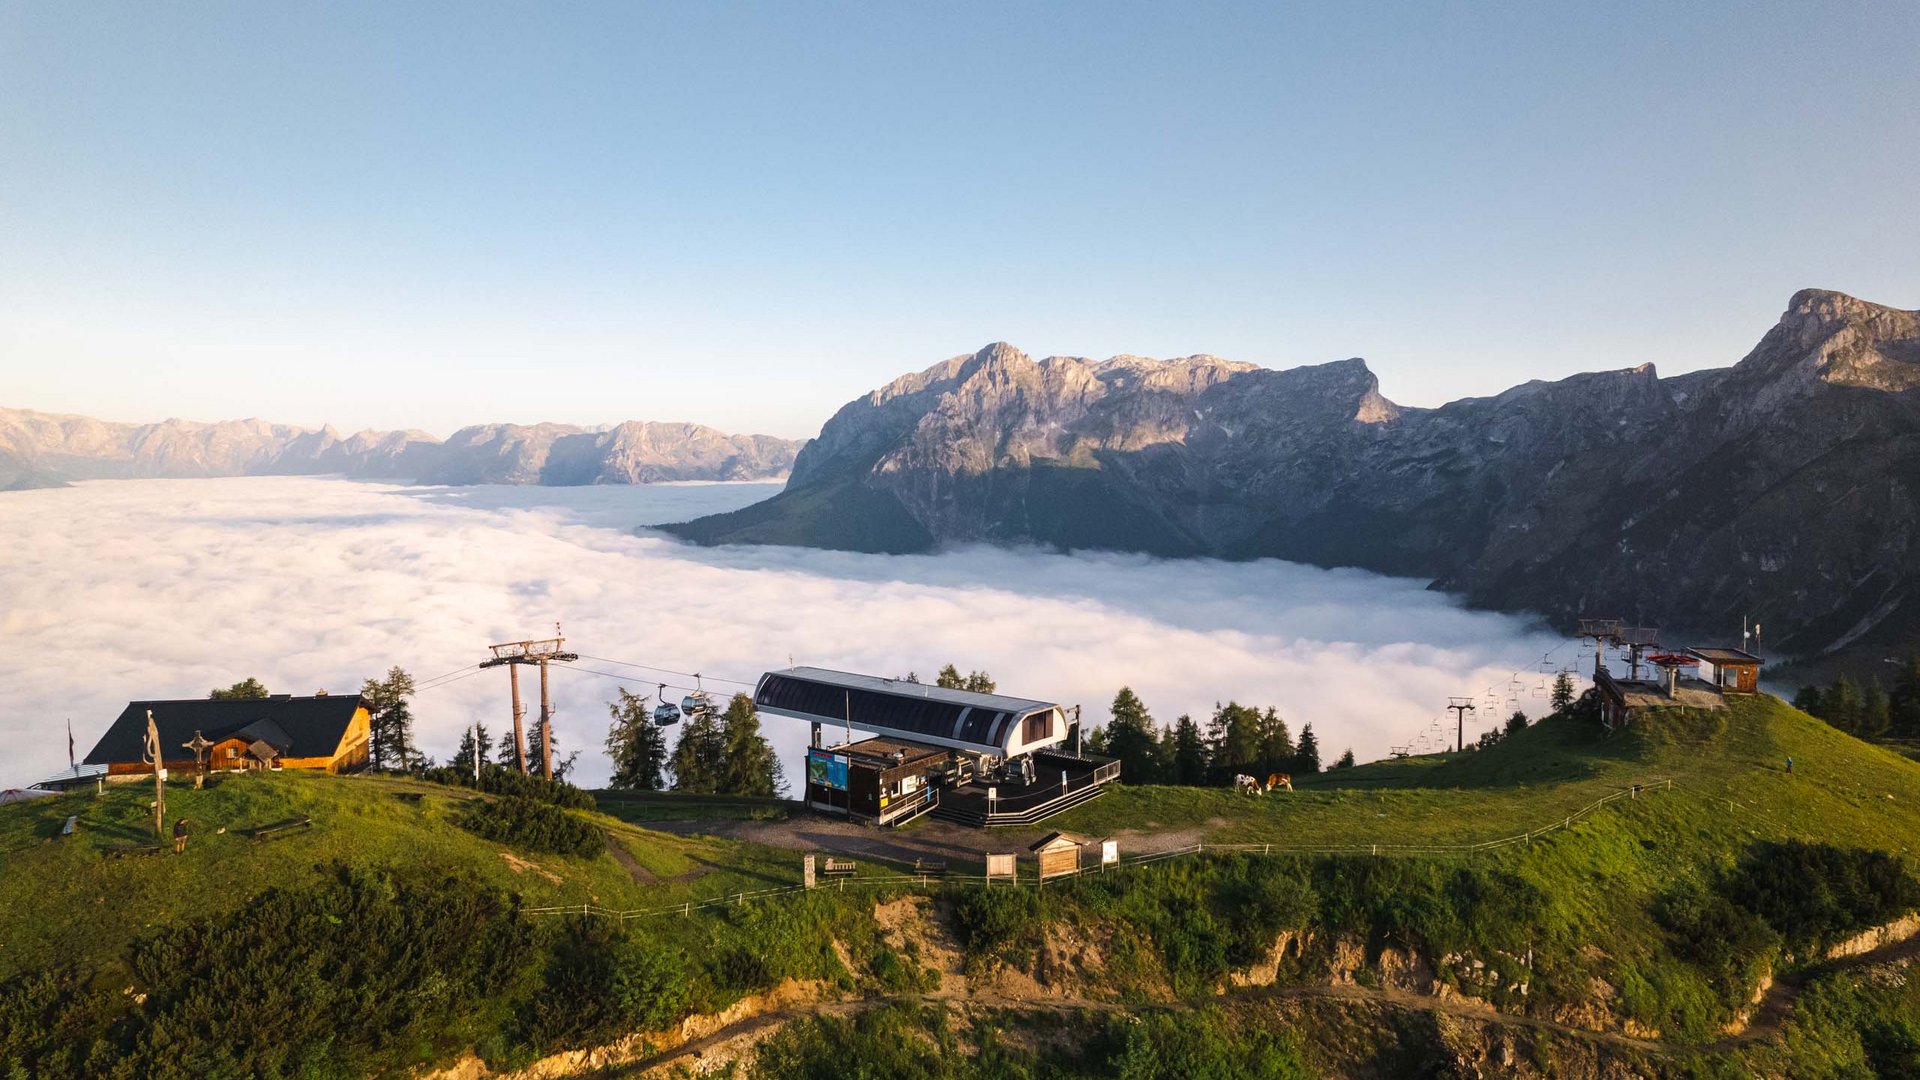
(329, 732)
(1735, 671)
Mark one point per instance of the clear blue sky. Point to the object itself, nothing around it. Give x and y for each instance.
(416, 215)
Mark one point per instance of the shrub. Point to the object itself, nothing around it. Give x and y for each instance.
(533, 825)
(600, 983)
(501, 780)
(1815, 895)
(1730, 945)
(989, 919)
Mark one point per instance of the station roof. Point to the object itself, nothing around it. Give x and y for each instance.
(918, 712)
(1727, 656)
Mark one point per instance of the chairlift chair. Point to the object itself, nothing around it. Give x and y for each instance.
(666, 713)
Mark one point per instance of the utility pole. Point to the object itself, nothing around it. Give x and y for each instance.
(511, 655)
(546, 723)
(519, 740)
(1461, 706)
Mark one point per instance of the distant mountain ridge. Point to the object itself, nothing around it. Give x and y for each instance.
(1786, 487)
(43, 449)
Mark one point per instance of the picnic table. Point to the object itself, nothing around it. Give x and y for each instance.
(837, 867)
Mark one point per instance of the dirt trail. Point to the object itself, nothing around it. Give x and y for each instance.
(1770, 1016)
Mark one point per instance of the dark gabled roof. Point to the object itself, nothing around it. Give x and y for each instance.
(298, 727)
(1726, 656)
(916, 711)
(1053, 838)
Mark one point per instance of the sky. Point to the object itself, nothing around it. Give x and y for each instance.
(154, 589)
(428, 215)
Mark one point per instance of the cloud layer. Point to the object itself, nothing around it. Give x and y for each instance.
(117, 590)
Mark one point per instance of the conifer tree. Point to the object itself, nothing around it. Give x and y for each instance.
(1346, 760)
(1562, 697)
(1903, 704)
(1234, 739)
(1130, 738)
(1841, 704)
(638, 749)
(699, 757)
(1188, 763)
(1517, 722)
(977, 681)
(1875, 714)
(1277, 752)
(463, 758)
(748, 763)
(1306, 756)
(390, 720)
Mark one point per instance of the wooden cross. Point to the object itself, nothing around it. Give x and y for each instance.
(199, 745)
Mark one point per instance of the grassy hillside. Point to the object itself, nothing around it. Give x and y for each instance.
(1652, 919)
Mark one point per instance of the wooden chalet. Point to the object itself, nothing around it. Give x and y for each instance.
(280, 732)
(1735, 671)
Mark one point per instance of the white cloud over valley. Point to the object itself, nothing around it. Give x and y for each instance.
(112, 591)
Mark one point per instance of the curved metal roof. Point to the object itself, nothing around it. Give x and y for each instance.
(917, 711)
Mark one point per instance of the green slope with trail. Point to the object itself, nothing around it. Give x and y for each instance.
(389, 936)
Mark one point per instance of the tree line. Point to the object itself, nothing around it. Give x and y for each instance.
(1237, 739)
(714, 755)
(1872, 711)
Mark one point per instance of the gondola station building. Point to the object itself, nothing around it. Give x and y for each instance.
(979, 759)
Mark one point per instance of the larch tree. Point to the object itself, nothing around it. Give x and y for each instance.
(638, 749)
(950, 679)
(748, 766)
(390, 720)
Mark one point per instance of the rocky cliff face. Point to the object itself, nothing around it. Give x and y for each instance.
(1786, 487)
(38, 449)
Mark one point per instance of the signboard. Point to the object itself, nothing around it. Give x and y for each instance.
(1109, 852)
(827, 769)
(1000, 866)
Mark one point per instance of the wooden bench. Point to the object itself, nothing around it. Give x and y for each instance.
(837, 867)
(279, 828)
(930, 867)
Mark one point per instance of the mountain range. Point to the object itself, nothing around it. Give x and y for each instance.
(1785, 488)
(43, 450)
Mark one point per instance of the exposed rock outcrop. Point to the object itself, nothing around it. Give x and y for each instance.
(1786, 487)
(41, 449)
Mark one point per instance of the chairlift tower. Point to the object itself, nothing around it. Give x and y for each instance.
(1461, 706)
(541, 651)
(1602, 632)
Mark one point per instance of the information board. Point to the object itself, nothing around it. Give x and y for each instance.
(827, 769)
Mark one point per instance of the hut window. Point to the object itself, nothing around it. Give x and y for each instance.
(1039, 726)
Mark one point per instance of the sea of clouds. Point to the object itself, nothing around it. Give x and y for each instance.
(112, 591)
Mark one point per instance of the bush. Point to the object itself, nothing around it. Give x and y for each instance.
(989, 919)
(600, 983)
(1815, 895)
(1732, 947)
(533, 825)
(501, 780)
(356, 976)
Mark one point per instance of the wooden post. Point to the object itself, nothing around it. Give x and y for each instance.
(519, 740)
(158, 756)
(546, 724)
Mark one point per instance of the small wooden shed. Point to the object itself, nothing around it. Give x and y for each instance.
(1057, 853)
(1735, 671)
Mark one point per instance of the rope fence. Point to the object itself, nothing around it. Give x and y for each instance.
(929, 881)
